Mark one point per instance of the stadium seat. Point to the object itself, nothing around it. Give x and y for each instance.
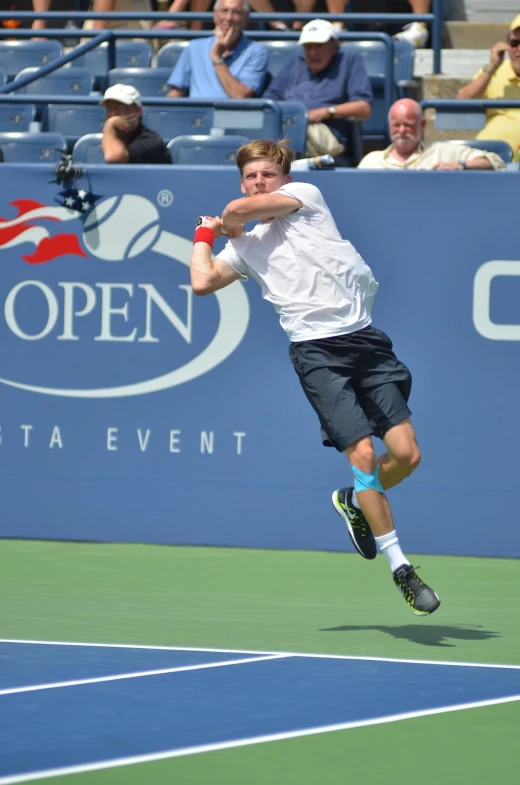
(251, 117)
(373, 53)
(503, 149)
(63, 81)
(17, 55)
(73, 120)
(151, 82)
(460, 119)
(169, 54)
(87, 150)
(205, 150)
(129, 54)
(178, 120)
(31, 148)
(279, 53)
(3, 77)
(16, 117)
(294, 124)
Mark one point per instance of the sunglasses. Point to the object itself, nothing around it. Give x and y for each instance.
(514, 42)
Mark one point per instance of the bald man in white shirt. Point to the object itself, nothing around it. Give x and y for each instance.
(408, 151)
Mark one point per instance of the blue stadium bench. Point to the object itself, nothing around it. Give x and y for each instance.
(31, 148)
(206, 150)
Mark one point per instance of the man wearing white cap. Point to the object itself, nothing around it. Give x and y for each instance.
(125, 139)
(500, 78)
(333, 84)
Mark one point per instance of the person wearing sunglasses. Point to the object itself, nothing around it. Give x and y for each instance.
(500, 78)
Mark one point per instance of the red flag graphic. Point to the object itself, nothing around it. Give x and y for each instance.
(51, 247)
(23, 206)
(26, 228)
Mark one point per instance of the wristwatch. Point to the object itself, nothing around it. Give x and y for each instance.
(463, 164)
(218, 61)
(331, 110)
(488, 71)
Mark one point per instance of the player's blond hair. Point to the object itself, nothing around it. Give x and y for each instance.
(280, 153)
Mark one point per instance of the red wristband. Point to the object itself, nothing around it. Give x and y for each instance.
(204, 234)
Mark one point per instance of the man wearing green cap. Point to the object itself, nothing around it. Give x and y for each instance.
(500, 78)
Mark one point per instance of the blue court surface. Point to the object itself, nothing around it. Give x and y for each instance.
(78, 707)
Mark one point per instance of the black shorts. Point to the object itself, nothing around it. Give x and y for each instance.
(355, 384)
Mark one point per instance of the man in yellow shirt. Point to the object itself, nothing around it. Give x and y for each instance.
(500, 78)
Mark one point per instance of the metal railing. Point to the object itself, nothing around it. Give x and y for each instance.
(465, 113)
(435, 18)
(465, 105)
(99, 37)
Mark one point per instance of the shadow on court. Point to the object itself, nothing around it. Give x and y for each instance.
(431, 635)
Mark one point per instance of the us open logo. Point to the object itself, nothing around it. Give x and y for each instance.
(119, 313)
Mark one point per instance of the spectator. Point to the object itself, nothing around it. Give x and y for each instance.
(415, 32)
(332, 83)
(200, 6)
(408, 150)
(99, 6)
(307, 7)
(225, 65)
(125, 139)
(500, 78)
(134, 6)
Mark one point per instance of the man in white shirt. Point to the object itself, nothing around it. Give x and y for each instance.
(408, 151)
(323, 292)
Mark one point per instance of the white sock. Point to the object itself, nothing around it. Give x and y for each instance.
(389, 545)
(354, 500)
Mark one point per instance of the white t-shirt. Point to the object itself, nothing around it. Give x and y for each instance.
(318, 283)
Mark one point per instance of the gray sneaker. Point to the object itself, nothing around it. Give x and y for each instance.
(421, 599)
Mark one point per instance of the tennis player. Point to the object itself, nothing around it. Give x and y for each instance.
(323, 292)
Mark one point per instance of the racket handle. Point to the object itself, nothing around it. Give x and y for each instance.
(203, 221)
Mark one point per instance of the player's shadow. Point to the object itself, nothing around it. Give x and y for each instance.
(427, 635)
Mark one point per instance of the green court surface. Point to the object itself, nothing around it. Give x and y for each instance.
(331, 603)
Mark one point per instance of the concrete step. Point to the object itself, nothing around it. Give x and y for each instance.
(475, 35)
(441, 86)
(457, 63)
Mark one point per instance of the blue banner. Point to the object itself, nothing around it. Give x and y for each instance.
(132, 410)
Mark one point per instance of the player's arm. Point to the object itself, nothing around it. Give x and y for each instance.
(261, 206)
(207, 275)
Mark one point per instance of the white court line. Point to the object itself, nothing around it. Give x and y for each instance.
(136, 675)
(272, 653)
(226, 745)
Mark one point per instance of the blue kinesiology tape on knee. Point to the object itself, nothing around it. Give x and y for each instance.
(366, 482)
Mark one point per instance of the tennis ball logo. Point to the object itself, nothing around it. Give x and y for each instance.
(121, 227)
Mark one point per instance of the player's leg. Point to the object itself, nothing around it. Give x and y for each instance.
(375, 507)
(369, 492)
(325, 368)
(403, 456)
(382, 385)
(382, 390)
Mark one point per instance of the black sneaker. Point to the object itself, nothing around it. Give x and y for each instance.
(357, 525)
(421, 599)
